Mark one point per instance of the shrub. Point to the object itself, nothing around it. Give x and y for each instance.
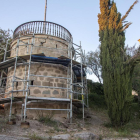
(97, 100)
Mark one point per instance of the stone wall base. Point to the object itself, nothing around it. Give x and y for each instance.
(36, 114)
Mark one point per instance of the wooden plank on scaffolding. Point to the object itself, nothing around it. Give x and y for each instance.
(73, 61)
(78, 103)
(8, 100)
(9, 63)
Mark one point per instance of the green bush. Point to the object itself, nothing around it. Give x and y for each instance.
(95, 87)
(97, 100)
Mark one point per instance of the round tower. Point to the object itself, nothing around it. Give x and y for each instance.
(42, 50)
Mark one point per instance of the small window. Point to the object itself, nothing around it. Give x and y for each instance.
(56, 46)
(16, 84)
(32, 82)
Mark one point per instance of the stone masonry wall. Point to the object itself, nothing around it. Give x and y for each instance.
(50, 46)
(44, 70)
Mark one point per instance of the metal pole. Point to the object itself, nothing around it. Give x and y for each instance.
(82, 78)
(28, 78)
(44, 25)
(86, 80)
(71, 88)
(22, 113)
(45, 11)
(17, 47)
(24, 79)
(1, 78)
(68, 80)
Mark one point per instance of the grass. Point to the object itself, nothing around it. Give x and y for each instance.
(127, 130)
(48, 121)
(131, 129)
(35, 137)
(3, 124)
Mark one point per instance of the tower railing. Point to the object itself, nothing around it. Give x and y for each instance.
(42, 27)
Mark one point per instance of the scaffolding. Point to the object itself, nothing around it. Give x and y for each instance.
(76, 85)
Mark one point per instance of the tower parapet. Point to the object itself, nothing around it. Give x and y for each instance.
(44, 28)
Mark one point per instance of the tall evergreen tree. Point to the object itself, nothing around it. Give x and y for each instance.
(116, 68)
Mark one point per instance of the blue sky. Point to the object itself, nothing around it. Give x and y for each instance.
(78, 16)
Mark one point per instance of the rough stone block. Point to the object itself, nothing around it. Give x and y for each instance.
(55, 92)
(50, 79)
(50, 70)
(51, 84)
(41, 78)
(59, 85)
(36, 91)
(45, 73)
(62, 81)
(85, 136)
(61, 137)
(42, 69)
(45, 84)
(19, 83)
(20, 74)
(37, 83)
(57, 71)
(46, 92)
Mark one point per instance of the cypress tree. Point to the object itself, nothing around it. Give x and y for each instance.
(116, 72)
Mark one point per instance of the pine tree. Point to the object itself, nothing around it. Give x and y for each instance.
(116, 70)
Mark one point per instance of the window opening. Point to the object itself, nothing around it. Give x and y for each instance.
(16, 85)
(32, 82)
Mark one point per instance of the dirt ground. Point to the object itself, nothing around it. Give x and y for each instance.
(94, 123)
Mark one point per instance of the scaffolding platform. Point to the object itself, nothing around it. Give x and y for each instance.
(10, 62)
(27, 57)
(78, 103)
(8, 100)
(73, 61)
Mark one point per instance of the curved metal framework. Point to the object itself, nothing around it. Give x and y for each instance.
(42, 27)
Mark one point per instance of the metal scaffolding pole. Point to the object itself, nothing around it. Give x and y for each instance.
(28, 78)
(71, 97)
(17, 47)
(1, 78)
(82, 78)
(24, 79)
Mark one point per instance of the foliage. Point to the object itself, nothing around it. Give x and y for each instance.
(47, 119)
(96, 95)
(132, 51)
(136, 79)
(93, 63)
(117, 68)
(5, 37)
(133, 125)
(97, 101)
(95, 87)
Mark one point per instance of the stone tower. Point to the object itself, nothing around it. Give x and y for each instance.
(46, 79)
